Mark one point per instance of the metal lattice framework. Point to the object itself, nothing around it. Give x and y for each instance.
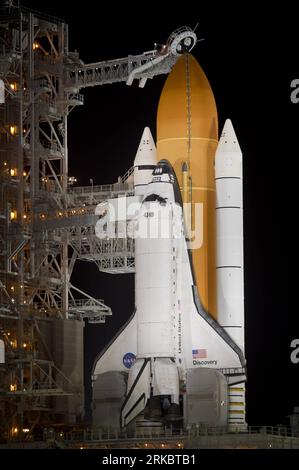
(46, 225)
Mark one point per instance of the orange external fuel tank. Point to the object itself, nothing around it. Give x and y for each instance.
(187, 136)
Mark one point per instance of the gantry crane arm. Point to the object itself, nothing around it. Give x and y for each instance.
(143, 66)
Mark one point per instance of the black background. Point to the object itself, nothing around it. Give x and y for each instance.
(250, 57)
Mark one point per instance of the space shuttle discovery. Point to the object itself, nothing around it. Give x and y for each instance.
(179, 360)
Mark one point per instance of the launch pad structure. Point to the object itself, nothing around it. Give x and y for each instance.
(46, 221)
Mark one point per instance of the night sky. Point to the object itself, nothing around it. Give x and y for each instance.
(250, 59)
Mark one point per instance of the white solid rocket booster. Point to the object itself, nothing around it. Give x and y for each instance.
(229, 219)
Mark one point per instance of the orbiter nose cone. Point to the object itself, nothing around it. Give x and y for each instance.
(146, 153)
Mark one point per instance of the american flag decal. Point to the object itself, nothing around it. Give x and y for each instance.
(199, 353)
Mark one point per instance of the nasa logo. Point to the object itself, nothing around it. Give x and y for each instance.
(128, 360)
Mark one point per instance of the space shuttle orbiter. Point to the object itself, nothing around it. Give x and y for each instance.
(173, 361)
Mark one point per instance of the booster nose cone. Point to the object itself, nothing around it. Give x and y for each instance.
(228, 158)
(146, 153)
(228, 141)
(187, 132)
(145, 162)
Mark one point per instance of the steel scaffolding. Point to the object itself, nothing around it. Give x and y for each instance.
(45, 223)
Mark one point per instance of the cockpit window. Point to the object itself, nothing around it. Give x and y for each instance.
(155, 197)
